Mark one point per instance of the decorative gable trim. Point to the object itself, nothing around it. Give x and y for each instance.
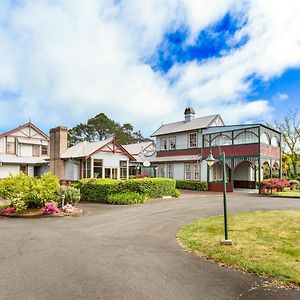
(116, 148)
(30, 125)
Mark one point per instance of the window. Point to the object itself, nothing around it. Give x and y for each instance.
(114, 173)
(44, 150)
(161, 171)
(193, 140)
(221, 140)
(23, 168)
(170, 171)
(187, 171)
(98, 168)
(123, 169)
(107, 172)
(275, 141)
(87, 168)
(172, 142)
(36, 150)
(10, 145)
(265, 138)
(163, 144)
(217, 172)
(246, 137)
(196, 171)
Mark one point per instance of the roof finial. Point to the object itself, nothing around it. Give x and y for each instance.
(29, 120)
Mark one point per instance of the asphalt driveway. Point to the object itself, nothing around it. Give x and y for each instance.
(126, 252)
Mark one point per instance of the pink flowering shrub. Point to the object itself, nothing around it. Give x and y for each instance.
(275, 184)
(7, 211)
(50, 208)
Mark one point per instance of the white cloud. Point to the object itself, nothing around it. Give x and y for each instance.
(281, 97)
(69, 60)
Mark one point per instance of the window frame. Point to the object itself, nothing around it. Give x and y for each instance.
(172, 143)
(196, 139)
(187, 171)
(163, 144)
(38, 153)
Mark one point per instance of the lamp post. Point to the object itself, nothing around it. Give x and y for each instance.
(210, 161)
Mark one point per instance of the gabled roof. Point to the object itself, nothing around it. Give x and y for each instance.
(137, 148)
(29, 124)
(195, 124)
(86, 149)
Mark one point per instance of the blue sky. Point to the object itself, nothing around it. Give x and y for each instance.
(64, 61)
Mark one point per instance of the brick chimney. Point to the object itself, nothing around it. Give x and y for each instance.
(58, 146)
(189, 114)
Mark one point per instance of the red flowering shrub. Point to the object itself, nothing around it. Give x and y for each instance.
(275, 184)
(142, 176)
(50, 208)
(7, 211)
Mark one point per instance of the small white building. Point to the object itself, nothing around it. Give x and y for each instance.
(25, 149)
(102, 159)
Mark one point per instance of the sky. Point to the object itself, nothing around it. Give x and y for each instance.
(144, 62)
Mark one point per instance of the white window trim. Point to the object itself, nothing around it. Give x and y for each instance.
(172, 137)
(189, 139)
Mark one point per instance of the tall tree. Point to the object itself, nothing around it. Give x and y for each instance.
(290, 129)
(101, 127)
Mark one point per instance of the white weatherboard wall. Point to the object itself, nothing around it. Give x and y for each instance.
(2, 148)
(72, 170)
(179, 170)
(7, 169)
(110, 159)
(203, 171)
(25, 150)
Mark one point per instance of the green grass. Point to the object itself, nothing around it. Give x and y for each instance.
(288, 193)
(266, 243)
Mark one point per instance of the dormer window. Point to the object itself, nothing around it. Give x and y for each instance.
(163, 144)
(193, 140)
(172, 142)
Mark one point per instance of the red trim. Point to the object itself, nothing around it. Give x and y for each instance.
(268, 150)
(218, 187)
(30, 125)
(190, 151)
(233, 150)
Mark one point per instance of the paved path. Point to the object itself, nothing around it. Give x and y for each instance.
(125, 252)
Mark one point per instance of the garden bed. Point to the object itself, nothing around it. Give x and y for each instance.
(38, 213)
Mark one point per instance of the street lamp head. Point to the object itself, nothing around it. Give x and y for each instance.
(210, 160)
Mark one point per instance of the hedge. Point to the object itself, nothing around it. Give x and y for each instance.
(99, 189)
(192, 185)
(126, 198)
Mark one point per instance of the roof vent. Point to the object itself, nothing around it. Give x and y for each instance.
(189, 114)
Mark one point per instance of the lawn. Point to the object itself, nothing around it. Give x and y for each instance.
(266, 243)
(288, 193)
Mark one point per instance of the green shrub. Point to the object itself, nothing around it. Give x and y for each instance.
(72, 194)
(192, 185)
(126, 198)
(19, 203)
(99, 189)
(294, 182)
(26, 191)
